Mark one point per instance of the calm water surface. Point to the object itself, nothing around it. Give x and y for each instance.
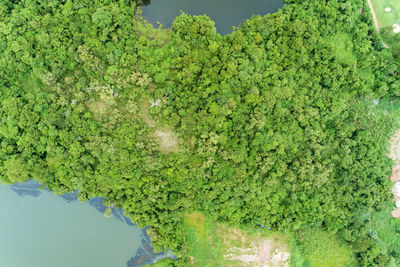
(225, 13)
(39, 229)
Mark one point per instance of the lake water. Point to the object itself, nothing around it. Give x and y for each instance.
(40, 229)
(225, 13)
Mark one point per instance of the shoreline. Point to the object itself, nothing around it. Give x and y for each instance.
(145, 254)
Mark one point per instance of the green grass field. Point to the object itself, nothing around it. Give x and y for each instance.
(387, 19)
(392, 107)
(317, 247)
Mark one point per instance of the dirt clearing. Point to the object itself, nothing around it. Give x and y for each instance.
(395, 177)
(216, 244)
(169, 142)
(262, 251)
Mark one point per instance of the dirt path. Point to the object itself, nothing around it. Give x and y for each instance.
(376, 22)
(374, 16)
(395, 177)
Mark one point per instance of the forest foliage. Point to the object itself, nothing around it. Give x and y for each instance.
(271, 125)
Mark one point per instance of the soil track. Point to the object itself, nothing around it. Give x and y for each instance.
(374, 16)
(395, 177)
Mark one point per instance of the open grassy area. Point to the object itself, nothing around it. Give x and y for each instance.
(391, 106)
(319, 248)
(342, 46)
(387, 19)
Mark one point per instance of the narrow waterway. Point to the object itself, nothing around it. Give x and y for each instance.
(225, 13)
(40, 229)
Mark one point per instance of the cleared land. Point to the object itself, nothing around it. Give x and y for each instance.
(216, 244)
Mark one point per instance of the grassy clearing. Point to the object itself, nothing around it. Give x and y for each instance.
(207, 243)
(342, 46)
(387, 19)
(320, 248)
(392, 107)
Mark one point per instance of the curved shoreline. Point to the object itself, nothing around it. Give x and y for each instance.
(145, 253)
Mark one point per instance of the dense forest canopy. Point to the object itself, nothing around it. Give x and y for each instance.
(268, 125)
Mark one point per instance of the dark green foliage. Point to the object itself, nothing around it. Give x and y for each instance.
(272, 119)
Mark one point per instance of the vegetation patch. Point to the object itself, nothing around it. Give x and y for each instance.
(158, 35)
(197, 221)
(342, 47)
(385, 230)
(321, 248)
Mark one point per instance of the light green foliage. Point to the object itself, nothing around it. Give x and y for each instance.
(342, 47)
(158, 35)
(271, 121)
(321, 248)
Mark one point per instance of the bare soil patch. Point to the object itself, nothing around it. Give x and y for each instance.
(395, 177)
(217, 244)
(254, 250)
(265, 252)
(167, 139)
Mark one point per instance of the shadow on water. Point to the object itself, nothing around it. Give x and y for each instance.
(145, 254)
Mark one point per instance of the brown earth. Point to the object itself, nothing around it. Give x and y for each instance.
(394, 142)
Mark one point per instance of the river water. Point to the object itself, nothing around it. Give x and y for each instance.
(40, 229)
(225, 13)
